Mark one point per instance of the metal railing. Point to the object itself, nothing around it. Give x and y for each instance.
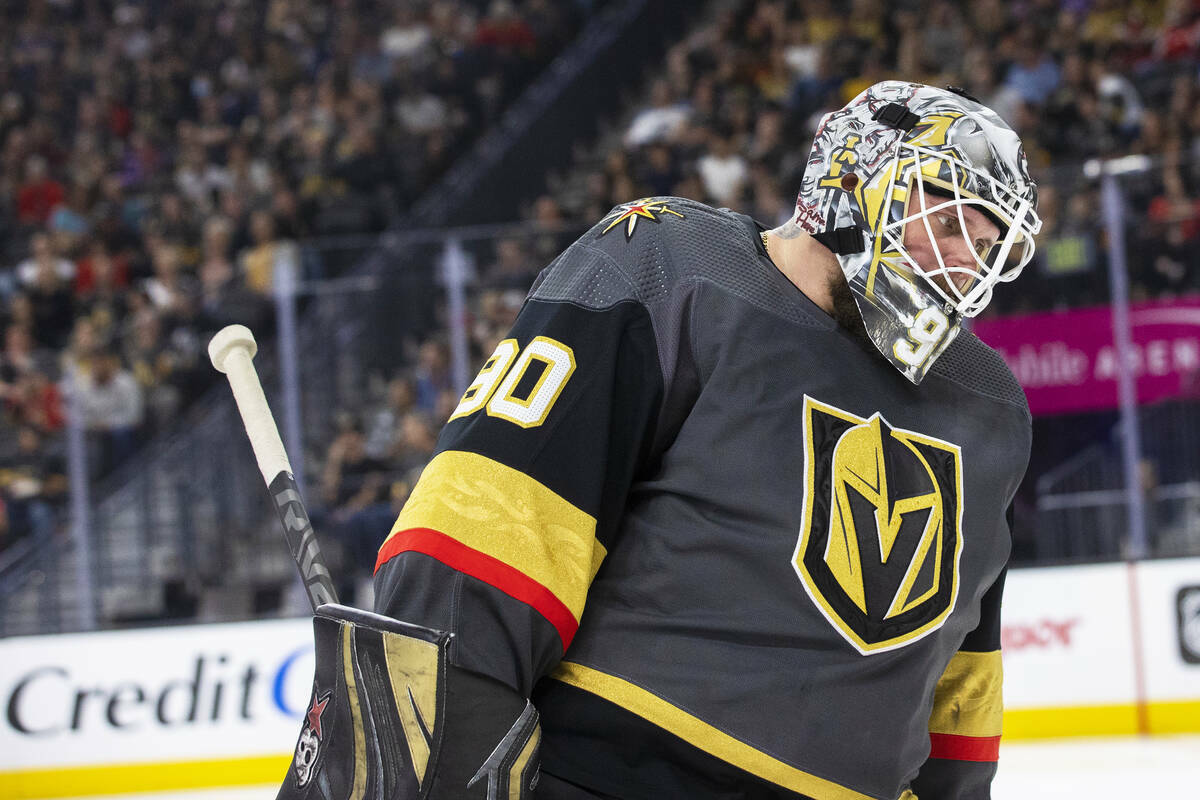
(1083, 504)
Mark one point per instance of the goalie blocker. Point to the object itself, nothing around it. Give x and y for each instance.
(391, 717)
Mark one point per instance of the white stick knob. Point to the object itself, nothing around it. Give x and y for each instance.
(232, 352)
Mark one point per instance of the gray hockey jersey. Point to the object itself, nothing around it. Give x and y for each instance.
(728, 549)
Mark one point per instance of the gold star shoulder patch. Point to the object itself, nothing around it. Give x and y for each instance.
(630, 213)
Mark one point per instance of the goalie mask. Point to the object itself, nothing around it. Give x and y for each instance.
(903, 154)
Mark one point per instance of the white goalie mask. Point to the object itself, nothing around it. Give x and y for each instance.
(905, 154)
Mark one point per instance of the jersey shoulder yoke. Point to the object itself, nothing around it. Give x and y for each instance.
(648, 249)
(978, 368)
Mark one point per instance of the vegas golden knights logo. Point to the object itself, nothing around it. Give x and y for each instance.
(881, 534)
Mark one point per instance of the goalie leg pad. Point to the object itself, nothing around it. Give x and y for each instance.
(390, 717)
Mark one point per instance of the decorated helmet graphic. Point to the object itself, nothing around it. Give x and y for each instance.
(903, 154)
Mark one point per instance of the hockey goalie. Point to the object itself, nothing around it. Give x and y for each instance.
(724, 516)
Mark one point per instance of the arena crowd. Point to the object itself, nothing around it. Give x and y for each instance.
(156, 165)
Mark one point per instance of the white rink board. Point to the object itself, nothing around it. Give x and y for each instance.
(166, 694)
(1068, 637)
(93, 700)
(1169, 601)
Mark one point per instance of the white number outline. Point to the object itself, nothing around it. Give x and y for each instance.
(559, 362)
(489, 377)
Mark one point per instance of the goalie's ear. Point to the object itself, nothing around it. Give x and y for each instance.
(391, 717)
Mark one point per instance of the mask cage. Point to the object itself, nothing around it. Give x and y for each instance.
(967, 288)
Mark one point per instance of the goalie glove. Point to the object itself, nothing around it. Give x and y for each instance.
(391, 717)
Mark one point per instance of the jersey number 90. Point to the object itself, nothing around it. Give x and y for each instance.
(497, 385)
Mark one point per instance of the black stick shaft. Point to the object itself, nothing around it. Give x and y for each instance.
(301, 541)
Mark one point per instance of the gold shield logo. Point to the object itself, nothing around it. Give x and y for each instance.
(882, 527)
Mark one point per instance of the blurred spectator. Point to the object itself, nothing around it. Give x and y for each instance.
(548, 219)
(432, 374)
(16, 360)
(110, 402)
(817, 82)
(351, 479)
(420, 111)
(383, 434)
(1120, 102)
(418, 439)
(99, 272)
(173, 222)
(43, 258)
(142, 160)
(86, 342)
(504, 32)
(1033, 75)
(69, 223)
(171, 291)
(259, 261)
(661, 173)
(38, 195)
(158, 366)
(661, 120)
(46, 283)
(513, 267)
(408, 39)
(224, 299)
(723, 169)
(19, 311)
(1170, 247)
(356, 490)
(1179, 37)
(497, 311)
(32, 483)
(38, 402)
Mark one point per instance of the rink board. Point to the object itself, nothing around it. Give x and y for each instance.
(1102, 650)
(1093, 650)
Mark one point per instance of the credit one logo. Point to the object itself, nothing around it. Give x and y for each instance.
(1187, 614)
(53, 699)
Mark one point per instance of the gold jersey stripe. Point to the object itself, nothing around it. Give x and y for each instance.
(504, 513)
(699, 733)
(968, 700)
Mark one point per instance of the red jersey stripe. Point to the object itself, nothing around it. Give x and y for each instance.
(491, 571)
(964, 748)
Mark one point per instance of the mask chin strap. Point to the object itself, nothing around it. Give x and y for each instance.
(849, 240)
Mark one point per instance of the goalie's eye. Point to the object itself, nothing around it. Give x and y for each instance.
(950, 223)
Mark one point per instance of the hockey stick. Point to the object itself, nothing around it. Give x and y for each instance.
(232, 352)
